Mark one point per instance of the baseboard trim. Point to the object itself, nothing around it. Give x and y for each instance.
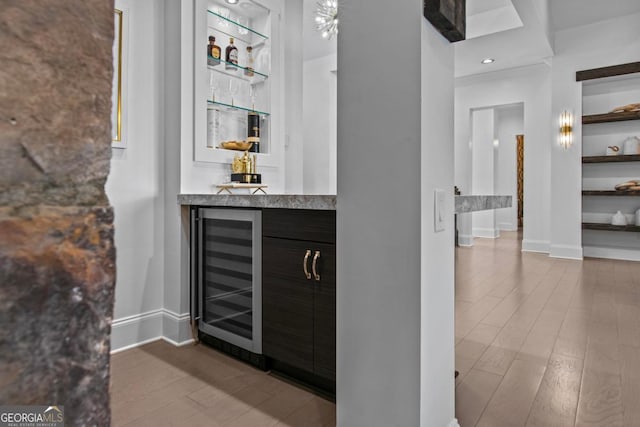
(465, 240)
(507, 226)
(566, 252)
(487, 233)
(612, 253)
(454, 423)
(133, 331)
(540, 246)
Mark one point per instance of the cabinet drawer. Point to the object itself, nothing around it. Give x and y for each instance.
(300, 224)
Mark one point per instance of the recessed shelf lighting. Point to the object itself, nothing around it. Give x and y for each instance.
(232, 1)
(488, 60)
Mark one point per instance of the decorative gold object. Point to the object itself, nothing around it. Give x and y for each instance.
(236, 145)
(625, 108)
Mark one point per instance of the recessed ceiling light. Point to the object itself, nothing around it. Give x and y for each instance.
(232, 1)
(487, 60)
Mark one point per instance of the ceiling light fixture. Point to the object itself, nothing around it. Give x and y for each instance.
(488, 60)
(327, 18)
(232, 1)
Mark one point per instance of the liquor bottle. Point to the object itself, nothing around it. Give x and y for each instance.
(248, 71)
(213, 52)
(253, 131)
(231, 56)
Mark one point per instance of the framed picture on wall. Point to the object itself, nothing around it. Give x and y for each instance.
(118, 95)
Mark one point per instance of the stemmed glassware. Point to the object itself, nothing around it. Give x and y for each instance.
(233, 89)
(213, 85)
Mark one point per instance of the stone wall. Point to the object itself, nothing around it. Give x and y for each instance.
(57, 259)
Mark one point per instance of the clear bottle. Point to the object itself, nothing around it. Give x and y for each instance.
(231, 56)
(248, 71)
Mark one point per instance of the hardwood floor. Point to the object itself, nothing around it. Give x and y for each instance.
(545, 342)
(539, 342)
(162, 385)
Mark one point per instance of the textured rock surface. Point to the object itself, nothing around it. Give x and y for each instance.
(56, 227)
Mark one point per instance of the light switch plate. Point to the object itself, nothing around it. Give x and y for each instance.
(438, 217)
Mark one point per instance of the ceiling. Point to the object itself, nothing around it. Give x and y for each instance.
(575, 13)
(513, 32)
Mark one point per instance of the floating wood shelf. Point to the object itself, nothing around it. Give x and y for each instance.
(609, 193)
(609, 227)
(615, 70)
(610, 117)
(612, 159)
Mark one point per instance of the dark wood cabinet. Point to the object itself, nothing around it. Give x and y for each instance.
(299, 290)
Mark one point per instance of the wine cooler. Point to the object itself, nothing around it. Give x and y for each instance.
(226, 277)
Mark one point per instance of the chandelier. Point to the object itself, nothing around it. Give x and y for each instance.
(327, 18)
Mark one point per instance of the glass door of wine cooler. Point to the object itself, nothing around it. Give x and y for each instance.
(230, 288)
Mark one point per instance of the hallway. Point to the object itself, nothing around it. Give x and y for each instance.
(543, 341)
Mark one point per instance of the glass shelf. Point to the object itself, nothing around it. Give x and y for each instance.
(236, 24)
(256, 78)
(229, 107)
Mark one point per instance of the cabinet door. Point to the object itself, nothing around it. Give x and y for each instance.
(287, 303)
(324, 324)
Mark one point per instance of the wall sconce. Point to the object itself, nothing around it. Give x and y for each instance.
(496, 144)
(566, 130)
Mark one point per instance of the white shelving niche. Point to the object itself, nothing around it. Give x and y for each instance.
(225, 93)
(599, 97)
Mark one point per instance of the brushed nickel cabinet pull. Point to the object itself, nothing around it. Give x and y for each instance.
(316, 256)
(304, 264)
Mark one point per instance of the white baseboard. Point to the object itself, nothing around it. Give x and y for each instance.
(133, 331)
(565, 251)
(489, 233)
(612, 253)
(465, 240)
(541, 246)
(454, 423)
(507, 226)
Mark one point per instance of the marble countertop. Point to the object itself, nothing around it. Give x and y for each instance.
(472, 203)
(464, 204)
(284, 201)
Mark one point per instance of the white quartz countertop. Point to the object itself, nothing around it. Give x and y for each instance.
(464, 204)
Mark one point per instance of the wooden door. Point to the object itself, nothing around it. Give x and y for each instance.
(324, 323)
(287, 303)
(520, 169)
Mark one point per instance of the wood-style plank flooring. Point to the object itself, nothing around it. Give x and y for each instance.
(539, 342)
(545, 342)
(162, 385)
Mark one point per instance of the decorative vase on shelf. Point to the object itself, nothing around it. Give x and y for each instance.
(619, 219)
(631, 145)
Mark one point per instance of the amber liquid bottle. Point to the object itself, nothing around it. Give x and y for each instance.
(213, 52)
(231, 56)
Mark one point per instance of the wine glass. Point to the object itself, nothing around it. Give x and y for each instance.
(244, 23)
(214, 85)
(233, 89)
(225, 14)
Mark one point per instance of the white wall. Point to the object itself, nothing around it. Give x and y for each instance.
(601, 44)
(395, 293)
(483, 169)
(135, 186)
(319, 118)
(530, 86)
(509, 123)
(437, 251)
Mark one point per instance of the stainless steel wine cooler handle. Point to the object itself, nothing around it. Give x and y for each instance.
(316, 256)
(305, 263)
